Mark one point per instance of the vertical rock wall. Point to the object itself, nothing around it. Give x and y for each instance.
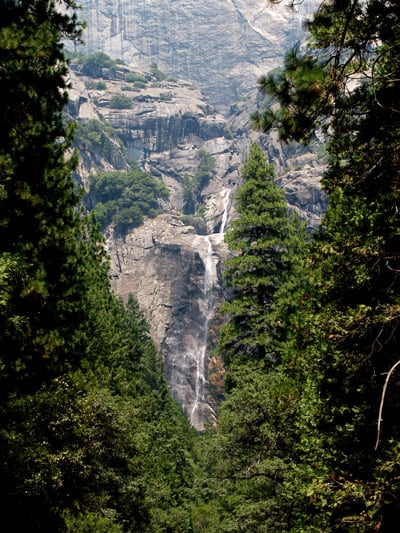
(223, 46)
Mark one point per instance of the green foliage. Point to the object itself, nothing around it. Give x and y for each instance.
(304, 83)
(344, 335)
(267, 241)
(193, 186)
(250, 449)
(38, 200)
(93, 64)
(228, 133)
(120, 101)
(140, 84)
(135, 77)
(97, 85)
(93, 136)
(128, 88)
(90, 439)
(91, 523)
(157, 73)
(165, 97)
(124, 198)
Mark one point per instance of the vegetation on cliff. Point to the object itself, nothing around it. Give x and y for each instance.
(193, 185)
(123, 199)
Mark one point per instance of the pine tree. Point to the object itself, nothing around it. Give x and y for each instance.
(346, 328)
(90, 439)
(39, 224)
(250, 451)
(267, 242)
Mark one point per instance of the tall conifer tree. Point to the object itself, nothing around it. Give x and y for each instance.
(347, 330)
(40, 225)
(90, 439)
(266, 241)
(251, 447)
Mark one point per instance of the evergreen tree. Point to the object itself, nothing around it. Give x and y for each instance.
(346, 331)
(267, 242)
(250, 450)
(90, 439)
(39, 225)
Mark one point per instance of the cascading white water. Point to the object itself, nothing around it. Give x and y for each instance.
(196, 415)
(302, 11)
(226, 211)
(210, 274)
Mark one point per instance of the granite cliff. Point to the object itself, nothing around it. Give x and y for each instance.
(173, 262)
(222, 46)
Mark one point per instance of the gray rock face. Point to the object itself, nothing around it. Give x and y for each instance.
(172, 267)
(173, 264)
(163, 127)
(223, 46)
(175, 274)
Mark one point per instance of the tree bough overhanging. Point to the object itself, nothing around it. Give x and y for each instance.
(346, 336)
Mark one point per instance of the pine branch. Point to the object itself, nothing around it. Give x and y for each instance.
(382, 402)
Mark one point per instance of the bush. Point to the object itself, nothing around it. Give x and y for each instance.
(120, 101)
(193, 186)
(94, 63)
(165, 97)
(128, 88)
(124, 198)
(94, 136)
(133, 77)
(98, 85)
(157, 73)
(140, 84)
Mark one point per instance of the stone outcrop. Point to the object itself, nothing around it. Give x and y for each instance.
(222, 46)
(163, 128)
(176, 276)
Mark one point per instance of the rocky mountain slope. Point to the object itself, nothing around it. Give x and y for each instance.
(173, 263)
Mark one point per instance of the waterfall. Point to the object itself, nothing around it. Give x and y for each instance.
(225, 214)
(196, 415)
(302, 12)
(210, 260)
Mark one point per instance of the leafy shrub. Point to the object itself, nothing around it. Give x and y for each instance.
(140, 84)
(228, 133)
(124, 198)
(120, 101)
(128, 88)
(157, 73)
(133, 77)
(98, 85)
(165, 97)
(93, 63)
(94, 136)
